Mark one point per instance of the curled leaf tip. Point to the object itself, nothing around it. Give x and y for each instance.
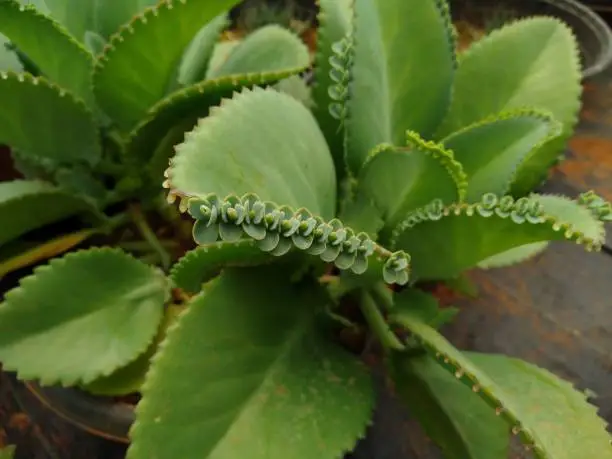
(278, 229)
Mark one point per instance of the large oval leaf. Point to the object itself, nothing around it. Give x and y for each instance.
(553, 419)
(460, 236)
(492, 150)
(250, 356)
(27, 205)
(532, 62)
(269, 144)
(269, 49)
(402, 73)
(59, 56)
(128, 80)
(43, 132)
(81, 317)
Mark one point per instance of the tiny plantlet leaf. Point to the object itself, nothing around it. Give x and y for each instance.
(27, 205)
(332, 241)
(145, 76)
(456, 233)
(61, 58)
(107, 306)
(42, 133)
(247, 349)
(389, 78)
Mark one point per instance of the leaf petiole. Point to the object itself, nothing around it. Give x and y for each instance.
(378, 324)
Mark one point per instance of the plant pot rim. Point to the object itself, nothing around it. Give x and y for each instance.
(97, 415)
(583, 16)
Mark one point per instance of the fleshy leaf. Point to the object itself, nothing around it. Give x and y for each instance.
(28, 205)
(269, 49)
(462, 235)
(514, 256)
(205, 262)
(543, 71)
(335, 21)
(77, 16)
(278, 229)
(492, 150)
(129, 379)
(187, 105)
(59, 56)
(550, 417)
(248, 348)
(391, 88)
(400, 180)
(109, 17)
(42, 133)
(144, 76)
(462, 425)
(7, 452)
(260, 158)
(197, 56)
(8, 59)
(107, 307)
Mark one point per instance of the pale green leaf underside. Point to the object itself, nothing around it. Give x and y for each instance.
(106, 309)
(402, 73)
(541, 70)
(220, 52)
(290, 165)
(461, 424)
(335, 21)
(462, 235)
(269, 49)
(203, 263)
(262, 382)
(492, 150)
(514, 256)
(34, 117)
(546, 412)
(28, 205)
(196, 58)
(399, 180)
(8, 59)
(186, 105)
(128, 81)
(58, 55)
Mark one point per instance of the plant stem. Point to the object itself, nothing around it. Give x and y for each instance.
(378, 325)
(147, 233)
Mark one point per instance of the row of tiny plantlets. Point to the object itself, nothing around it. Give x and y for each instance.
(597, 205)
(277, 229)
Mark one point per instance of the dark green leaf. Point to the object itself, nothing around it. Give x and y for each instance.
(243, 361)
(106, 307)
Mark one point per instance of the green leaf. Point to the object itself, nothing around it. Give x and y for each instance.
(514, 256)
(7, 452)
(335, 21)
(269, 49)
(109, 17)
(220, 52)
(249, 354)
(492, 150)
(202, 264)
(8, 59)
(78, 16)
(547, 414)
(42, 133)
(197, 56)
(462, 425)
(400, 180)
(94, 42)
(261, 158)
(106, 309)
(462, 235)
(186, 106)
(402, 73)
(28, 205)
(296, 87)
(129, 379)
(59, 56)
(532, 62)
(144, 77)
(424, 305)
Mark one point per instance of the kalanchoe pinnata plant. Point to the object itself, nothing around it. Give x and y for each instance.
(91, 123)
(302, 214)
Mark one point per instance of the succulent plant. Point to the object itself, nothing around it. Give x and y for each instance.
(7, 452)
(411, 165)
